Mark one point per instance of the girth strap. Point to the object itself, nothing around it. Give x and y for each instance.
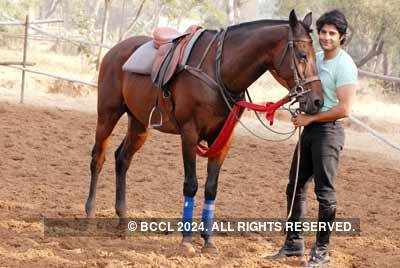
(202, 76)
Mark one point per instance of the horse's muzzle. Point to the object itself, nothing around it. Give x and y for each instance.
(310, 104)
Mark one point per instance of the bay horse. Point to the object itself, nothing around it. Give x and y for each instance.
(283, 47)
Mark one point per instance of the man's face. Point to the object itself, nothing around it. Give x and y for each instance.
(329, 37)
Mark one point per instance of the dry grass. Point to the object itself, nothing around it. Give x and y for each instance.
(47, 61)
(69, 88)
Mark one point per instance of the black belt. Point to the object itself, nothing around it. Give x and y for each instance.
(336, 122)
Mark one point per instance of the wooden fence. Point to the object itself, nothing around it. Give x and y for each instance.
(16, 65)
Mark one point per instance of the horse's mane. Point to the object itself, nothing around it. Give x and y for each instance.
(258, 23)
(266, 22)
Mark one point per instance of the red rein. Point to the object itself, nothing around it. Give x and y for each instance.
(226, 132)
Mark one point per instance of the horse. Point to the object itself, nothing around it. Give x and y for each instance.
(246, 51)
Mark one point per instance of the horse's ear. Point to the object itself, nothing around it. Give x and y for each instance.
(293, 19)
(308, 20)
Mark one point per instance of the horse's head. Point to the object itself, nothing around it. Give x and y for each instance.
(295, 66)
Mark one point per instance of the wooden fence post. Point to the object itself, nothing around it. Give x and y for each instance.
(24, 59)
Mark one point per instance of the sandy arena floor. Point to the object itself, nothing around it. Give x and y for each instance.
(44, 171)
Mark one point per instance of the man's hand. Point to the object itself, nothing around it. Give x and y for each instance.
(302, 120)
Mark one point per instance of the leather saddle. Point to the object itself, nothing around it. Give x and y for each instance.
(173, 49)
(162, 56)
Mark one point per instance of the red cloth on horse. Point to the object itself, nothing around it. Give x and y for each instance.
(223, 136)
(226, 132)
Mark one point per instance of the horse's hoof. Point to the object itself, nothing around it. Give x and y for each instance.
(188, 249)
(210, 249)
(90, 214)
(90, 211)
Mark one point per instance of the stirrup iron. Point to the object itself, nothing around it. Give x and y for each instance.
(151, 116)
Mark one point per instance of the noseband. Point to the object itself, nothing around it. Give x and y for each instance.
(300, 82)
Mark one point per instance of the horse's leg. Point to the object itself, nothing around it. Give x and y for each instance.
(189, 137)
(210, 192)
(134, 139)
(106, 122)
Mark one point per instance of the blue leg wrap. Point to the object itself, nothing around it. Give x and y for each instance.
(187, 215)
(207, 216)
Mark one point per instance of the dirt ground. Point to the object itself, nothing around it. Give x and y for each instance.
(44, 171)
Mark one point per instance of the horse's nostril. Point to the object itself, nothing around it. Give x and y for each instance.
(317, 103)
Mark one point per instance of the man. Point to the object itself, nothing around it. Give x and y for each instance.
(322, 138)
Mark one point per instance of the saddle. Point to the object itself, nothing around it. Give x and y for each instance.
(162, 58)
(173, 50)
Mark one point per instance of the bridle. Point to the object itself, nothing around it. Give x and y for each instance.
(299, 80)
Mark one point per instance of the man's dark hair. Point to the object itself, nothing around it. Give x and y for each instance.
(335, 18)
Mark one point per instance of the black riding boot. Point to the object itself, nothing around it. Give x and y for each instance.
(320, 254)
(294, 243)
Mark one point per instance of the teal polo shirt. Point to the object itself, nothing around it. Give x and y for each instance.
(334, 73)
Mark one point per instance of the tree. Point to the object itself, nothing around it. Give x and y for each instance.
(133, 22)
(374, 27)
(51, 9)
(376, 49)
(107, 4)
(233, 12)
